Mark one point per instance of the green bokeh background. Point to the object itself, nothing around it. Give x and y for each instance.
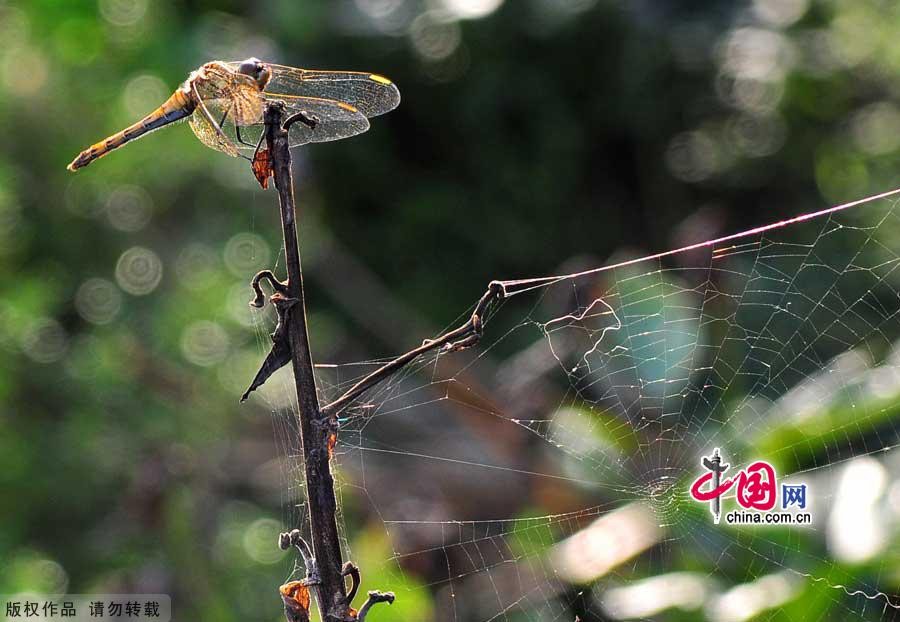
(530, 136)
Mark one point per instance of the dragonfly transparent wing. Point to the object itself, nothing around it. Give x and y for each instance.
(334, 120)
(369, 93)
(205, 128)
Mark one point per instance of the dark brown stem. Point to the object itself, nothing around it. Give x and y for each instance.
(350, 570)
(259, 298)
(460, 338)
(315, 427)
(375, 597)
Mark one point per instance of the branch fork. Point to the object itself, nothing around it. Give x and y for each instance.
(455, 340)
(296, 597)
(465, 336)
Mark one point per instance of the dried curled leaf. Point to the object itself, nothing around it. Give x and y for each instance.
(262, 167)
(296, 601)
(332, 441)
(280, 354)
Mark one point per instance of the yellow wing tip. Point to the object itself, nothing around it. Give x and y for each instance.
(380, 79)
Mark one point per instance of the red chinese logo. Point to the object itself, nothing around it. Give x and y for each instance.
(755, 487)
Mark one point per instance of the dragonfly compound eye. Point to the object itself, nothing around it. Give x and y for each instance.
(250, 67)
(257, 70)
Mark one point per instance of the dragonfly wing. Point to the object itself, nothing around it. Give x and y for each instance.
(206, 128)
(334, 120)
(369, 93)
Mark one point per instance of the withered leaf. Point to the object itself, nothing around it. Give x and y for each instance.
(280, 354)
(296, 601)
(262, 167)
(332, 441)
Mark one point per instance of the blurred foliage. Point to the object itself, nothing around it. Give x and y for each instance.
(532, 133)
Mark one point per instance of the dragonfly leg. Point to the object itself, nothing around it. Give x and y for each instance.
(237, 133)
(262, 137)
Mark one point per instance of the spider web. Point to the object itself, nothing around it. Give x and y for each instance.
(544, 473)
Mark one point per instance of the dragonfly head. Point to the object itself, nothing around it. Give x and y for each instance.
(257, 70)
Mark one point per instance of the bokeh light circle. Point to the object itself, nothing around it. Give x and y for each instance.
(204, 343)
(86, 196)
(435, 36)
(758, 135)
(138, 271)
(143, 93)
(246, 253)
(876, 128)
(196, 265)
(780, 13)
(258, 539)
(123, 12)
(378, 9)
(692, 156)
(45, 341)
(129, 208)
(471, 9)
(240, 310)
(24, 71)
(98, 301)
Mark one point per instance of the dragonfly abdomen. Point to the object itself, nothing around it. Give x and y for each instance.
(178, 106)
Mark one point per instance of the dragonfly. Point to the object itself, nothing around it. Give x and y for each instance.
(224, 103)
